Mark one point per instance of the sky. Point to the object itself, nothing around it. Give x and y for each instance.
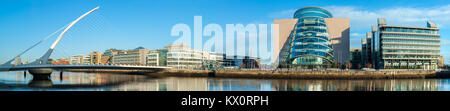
(127, 24)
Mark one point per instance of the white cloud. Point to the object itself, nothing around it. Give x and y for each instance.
(362, 18)
(356, 35)
(285, 14)
(355, 42)
(445, 42)
(355, 39)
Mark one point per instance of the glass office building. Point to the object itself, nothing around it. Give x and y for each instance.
(400, 47)
(308, 45)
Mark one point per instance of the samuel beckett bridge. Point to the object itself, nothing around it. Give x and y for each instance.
(41, 69)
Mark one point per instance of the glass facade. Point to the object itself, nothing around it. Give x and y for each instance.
(399, 47)
(424, 31)
(309, 45)
(355, 58)
(409, 48)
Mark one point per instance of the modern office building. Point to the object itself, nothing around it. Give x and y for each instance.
(245, 62)
(61, 61)
(111, 52)
(106, 60)
(108, 55)
(136, 56)
(441, 62)
(96, 58)
(181, 56)
(363, 52)
(402, 47)
(367, 51)
(93, 58)
(157, 57)
(355, 58)
(18, 61)
(313, 39)
(213, 60)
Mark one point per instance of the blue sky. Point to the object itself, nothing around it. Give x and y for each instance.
(127, 24)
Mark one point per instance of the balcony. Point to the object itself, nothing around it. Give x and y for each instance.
(396, 53)
(410, 33)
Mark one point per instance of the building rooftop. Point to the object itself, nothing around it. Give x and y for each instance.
(430, 25)
(410, 27)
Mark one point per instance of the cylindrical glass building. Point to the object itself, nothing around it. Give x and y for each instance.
(310, 43)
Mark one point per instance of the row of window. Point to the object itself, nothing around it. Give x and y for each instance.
(323, 35)
(412, 41)
(312, 30)
(410, 56)
(311, 43)
(412, 51)
(411, 46)
(412, 36)
(183, 51)
(126, 56)
(184, 55)
(310, 39)
(315, 24)
(182, 59)
(311, 52)
(410, 30)
(315, 27)
(311, 46)
(153, 56)
(312, 14)
(309, 60)
(173, 63)
(311, 10)
(410, 61)
(126, 60)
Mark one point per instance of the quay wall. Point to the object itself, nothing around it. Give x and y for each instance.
(258, 74)
(310, 74)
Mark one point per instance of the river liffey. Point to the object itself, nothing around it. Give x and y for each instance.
(77, 81)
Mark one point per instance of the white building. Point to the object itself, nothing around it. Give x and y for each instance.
(131, 57)
(80, 60)
(153, 59)
(181, 56)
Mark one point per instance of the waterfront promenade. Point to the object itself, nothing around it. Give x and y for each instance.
(345, 74)
(292, 74)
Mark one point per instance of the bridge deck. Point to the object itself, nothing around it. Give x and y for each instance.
(59, 67)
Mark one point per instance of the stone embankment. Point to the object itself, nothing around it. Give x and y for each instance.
(308, 74)
(341, 74)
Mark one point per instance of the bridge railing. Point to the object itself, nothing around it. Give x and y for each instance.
(98, 65)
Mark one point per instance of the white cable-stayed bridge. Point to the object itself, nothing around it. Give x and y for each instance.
(41, 67)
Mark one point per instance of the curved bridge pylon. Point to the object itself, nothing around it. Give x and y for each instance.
(43, 60)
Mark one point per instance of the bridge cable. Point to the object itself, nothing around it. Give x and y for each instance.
(42, 41)
(94, 26)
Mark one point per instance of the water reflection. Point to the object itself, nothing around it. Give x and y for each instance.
(217, 84)
(11, 81)
(358, 85)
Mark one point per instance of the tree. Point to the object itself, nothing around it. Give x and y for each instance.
(336, 65)
(348, 65)
(368, 65)
(50, 61)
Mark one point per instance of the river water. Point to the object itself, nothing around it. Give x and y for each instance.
(76, 81)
